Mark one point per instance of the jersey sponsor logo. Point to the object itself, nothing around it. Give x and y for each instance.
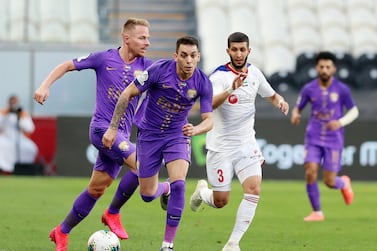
(108, 68)
(142, 77)
(232, 99)
(82, 58)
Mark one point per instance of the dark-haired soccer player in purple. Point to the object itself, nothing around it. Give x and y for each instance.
(172, 88)
(115, 70)
(324, 138)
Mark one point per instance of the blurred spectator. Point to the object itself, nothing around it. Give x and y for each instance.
(16, 125)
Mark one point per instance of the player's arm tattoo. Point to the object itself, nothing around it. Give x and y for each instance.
(120, 107)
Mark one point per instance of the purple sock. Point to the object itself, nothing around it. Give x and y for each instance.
(313, 194)
(81, 208)
(161, 189)
(175, 208)
(339, 183)
(126, 188)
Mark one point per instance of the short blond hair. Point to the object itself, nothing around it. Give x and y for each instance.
(132, 22)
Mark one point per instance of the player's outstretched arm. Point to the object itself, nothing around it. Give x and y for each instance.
(43, 91)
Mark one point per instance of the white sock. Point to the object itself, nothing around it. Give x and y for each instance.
(245, 215)
(207, 196)
(167, 244)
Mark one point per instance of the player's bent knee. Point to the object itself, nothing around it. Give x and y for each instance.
(96, 192)
(220, 203)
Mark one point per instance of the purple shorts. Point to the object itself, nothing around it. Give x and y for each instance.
(330, 159)
(152, 150)
(111, 161)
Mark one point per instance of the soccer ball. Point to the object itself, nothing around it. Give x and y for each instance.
(103, 240)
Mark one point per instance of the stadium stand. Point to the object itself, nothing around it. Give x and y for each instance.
(283, 33)
(54, 20)
(336, 39)
(283, 81)
(345, 68)
(366, 71)
(4, 17)
(83, 24)
(169, 20)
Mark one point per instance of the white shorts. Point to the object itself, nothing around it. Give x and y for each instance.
(244, 162)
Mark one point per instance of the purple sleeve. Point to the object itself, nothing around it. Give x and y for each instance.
(347, 97)
(302, 99)
(206, 96)
(90, 61)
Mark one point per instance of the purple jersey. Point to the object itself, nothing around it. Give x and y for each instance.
(113, 76)
(169, 99)
(326, 105)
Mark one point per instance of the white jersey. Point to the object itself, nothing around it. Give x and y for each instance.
(233, 124)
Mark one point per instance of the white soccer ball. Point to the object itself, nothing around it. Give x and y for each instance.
(103, 240)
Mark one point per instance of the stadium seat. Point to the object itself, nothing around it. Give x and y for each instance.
(33, 24)
(244, 4)
(256, 56)
(273, 30)
(362, 18)
(283, 81)
(4, 17)
(304, 39)
(305, 60)
(268, 7)
(345, 68)
(366, 78)
(305, 75)
(302, 17)
(345, 58)
(360, 4)
(346, 75)
(326, 4)
(365, 60)
(16, 21)
(335, 38)
(330, 17)
(278, 57)
(305, 68)
(298, 4)
(364, 40)
(83, 21)
(54, 21)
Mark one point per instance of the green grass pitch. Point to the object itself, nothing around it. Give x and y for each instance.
(32, 206)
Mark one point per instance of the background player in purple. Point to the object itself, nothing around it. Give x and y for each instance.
(164, 131)
(324, 138)
(115, 70)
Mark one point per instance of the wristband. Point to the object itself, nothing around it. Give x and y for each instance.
(230, 90)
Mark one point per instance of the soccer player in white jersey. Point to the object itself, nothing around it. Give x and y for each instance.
(231, 144)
